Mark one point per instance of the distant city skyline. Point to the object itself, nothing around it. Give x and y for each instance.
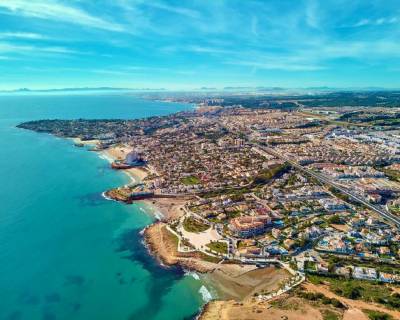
(183, 45)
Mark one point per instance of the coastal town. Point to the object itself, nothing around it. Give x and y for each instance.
(312, 191)
(200, 160)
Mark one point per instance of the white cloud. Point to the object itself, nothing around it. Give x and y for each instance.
(111, 72)
(210, 50)
(141, 70)
(277, 64)
(52, 10)
(24, 49)
(312, 14)
(376, 22)
(254, 26)
(22, 35)
(174, 9)
(359, 49)
(362, 22)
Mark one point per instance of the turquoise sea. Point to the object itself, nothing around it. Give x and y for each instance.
(65, 251)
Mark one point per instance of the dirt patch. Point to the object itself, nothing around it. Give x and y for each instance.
(351, 304)
(341, 227)
(232, 282)
(294, 309)
(354, 314)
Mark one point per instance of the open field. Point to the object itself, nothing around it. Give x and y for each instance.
(190, 224)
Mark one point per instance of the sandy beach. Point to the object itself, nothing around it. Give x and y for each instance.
(240, 282)
(165, 208)
(119, 153)
(85, 142)
(170, 209)
(162, 243)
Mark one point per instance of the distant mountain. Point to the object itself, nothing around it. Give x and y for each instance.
(208, 88)
(320, 88)
(238, 88)
(80, 89)
(22, 90)
(204, 89)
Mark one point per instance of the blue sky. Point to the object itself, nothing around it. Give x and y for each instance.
(199, 43)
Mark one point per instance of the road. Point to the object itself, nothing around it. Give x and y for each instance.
(384, 214)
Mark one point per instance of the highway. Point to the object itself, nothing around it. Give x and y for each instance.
(383, 213)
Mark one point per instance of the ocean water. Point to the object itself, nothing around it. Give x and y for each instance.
(66, 252)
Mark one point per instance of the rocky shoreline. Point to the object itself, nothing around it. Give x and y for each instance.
(233, 283)
(163, 246)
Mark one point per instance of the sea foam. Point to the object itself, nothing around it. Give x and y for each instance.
(193, 274)
(158, 215)
(103, 194)
(105, 157)
(206, 295)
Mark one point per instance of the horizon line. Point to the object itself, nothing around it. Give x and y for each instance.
(202, 88)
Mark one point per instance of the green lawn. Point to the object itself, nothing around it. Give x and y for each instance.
(190, 180)
(330, 315)
(394, 210)
(393, 175)
(218, 246)
(209, 258)
(268, 174)
(231, 191)
(310, 265)
(191, 224)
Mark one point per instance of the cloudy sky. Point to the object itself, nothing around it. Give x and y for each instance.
(199, 43)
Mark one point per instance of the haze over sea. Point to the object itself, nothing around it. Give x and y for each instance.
(65, 251)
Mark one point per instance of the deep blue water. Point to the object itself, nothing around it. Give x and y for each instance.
(65, 252)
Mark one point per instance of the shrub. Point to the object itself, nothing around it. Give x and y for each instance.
(377, 315)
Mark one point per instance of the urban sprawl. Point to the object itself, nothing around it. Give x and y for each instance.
(313, 189)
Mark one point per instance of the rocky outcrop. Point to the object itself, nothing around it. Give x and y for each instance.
(163, 245)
